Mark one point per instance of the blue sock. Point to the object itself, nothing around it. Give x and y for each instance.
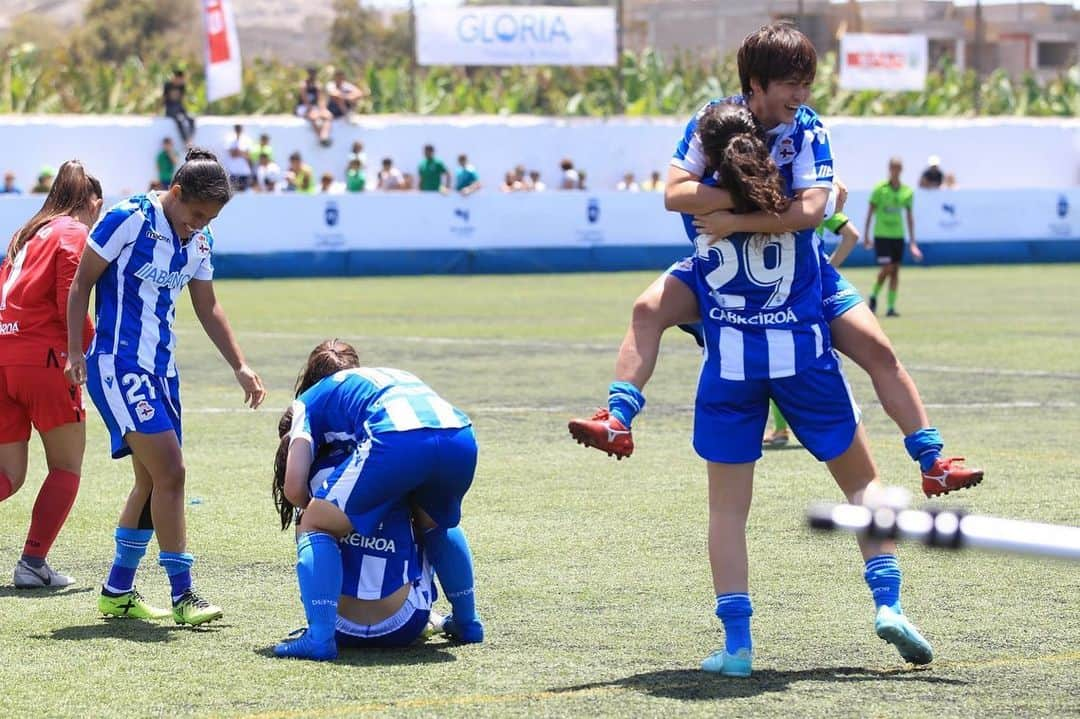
(449, 554)
(883, 577)
(625, 401)
(130, 549)
(318, 569)
(178, 566)
(924, 446)
(735, 611)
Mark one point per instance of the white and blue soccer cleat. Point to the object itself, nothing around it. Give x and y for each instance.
(730, 665)
(902, 634)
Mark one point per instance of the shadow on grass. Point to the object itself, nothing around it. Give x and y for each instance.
(41, 593)
(135, 630)
(692, 684)
(375, 657)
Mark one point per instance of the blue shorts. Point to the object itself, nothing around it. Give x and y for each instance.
(837, 294)
(730, 416)
(130, 399)
(431, 468)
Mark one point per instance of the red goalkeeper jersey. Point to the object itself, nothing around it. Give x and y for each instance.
(34, 293)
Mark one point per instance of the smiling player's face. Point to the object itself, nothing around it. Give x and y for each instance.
(779, 103)
(189, 217)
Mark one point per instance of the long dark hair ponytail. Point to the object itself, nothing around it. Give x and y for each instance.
(71, 192)
(286, 511)
(733, 145)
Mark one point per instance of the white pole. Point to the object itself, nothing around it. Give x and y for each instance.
(950, 530)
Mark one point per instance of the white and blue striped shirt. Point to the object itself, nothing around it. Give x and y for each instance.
(137, 293)
(354, 404)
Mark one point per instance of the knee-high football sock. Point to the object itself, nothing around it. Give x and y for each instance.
(178, 566)
(450, 556)
(625, 401)
(883, 577)
(130, 549)
(318, 571)
(54, 501)
(924, 446)
(735, 610)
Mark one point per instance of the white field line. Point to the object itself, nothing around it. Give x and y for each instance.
(613, 347)
(477, 410)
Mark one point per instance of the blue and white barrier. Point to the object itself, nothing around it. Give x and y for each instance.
(491, 232)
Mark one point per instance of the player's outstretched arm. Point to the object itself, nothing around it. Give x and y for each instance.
(684, 192)
(212, 317)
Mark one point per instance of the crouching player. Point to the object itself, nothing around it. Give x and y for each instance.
(387, 588)
(411, 444)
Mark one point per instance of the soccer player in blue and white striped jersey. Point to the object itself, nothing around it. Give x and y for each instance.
(139, 258)
(765, 337)
(409, 442)
(777, 65)
(387, 589)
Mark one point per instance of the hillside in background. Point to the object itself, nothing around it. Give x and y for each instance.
(295, 31)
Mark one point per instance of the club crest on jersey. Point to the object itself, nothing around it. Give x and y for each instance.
(144, 411)
(786, 150)
(202, 244)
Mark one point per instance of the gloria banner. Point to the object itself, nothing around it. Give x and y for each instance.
(518, 35)
(222, 50)
(883, 62)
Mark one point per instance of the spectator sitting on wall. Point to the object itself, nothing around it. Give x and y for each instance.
(237, 160)
(355, 180)
(263, 148)
(628, 184)
(654, 183)
(932, 177)
(173, 98)
(570, 178)
(389, 178)
(166, 164)
(467, 180)
(44, 181)
(434, 176)
(534, 179)
(9, 187)
(311, 105)
(342, 95)
(267, 175)
(300, 177)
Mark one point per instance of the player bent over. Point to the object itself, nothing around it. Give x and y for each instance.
(389, 607)
(410, 443)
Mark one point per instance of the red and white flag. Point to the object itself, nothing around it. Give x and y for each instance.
(223, 70)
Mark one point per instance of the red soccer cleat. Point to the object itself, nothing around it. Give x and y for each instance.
(947, 475)
(604, 432)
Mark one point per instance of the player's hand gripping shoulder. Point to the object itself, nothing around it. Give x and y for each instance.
(249, 380)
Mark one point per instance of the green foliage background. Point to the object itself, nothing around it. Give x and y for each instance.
(98, 69)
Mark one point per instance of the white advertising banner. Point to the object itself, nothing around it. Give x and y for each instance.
(515, 35)
(222, 50)
(883, 62)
